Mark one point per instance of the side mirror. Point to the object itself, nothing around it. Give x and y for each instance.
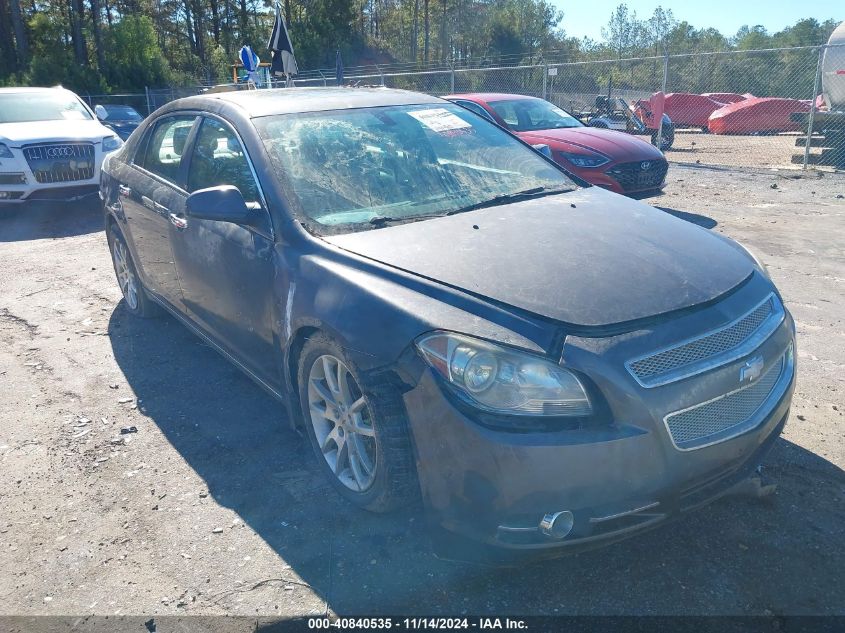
(544, 149)
(222, 204)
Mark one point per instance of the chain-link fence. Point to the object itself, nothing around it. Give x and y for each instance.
(734, 108)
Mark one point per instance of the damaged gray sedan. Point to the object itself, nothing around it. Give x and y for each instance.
(451, 316)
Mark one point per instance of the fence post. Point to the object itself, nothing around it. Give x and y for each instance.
(323, 76)
(813, 107)
(147, 94)
(663, 90)
(545, 81)
(381, 74)
(451, 78)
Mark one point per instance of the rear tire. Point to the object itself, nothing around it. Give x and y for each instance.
(357, 427)
(135, 296)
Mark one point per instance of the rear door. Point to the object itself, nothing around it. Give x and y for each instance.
(155, 181)
(226, 270)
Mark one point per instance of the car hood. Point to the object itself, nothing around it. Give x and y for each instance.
(616, 145)
(605, 261)
(40, 131)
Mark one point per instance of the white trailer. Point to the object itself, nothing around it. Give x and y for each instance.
(833, 71)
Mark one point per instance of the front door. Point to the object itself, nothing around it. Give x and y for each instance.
(226, 270)
(150, 189)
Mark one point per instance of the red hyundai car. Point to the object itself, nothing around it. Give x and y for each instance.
(614, 160)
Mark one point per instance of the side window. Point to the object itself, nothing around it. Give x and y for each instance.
(474, 107)
(219, 159)
(163, 155)
(507, 111)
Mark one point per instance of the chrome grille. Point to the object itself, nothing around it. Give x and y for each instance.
(726, 416)
(682, 360)
(60, 162)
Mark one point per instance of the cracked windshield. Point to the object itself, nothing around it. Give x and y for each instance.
(364, 167)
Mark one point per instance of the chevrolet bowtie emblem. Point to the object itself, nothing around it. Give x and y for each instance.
(752, 369)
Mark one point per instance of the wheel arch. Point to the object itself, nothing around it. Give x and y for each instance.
(381, 373)
(291, 368)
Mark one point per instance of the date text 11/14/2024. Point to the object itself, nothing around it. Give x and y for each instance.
(419, 623)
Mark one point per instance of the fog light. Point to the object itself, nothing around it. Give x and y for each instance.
(5, 195)
(557, 525)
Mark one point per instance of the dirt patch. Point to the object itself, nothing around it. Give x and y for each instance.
(777, 151)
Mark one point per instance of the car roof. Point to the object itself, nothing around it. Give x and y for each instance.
(258, 103)
(489, 97)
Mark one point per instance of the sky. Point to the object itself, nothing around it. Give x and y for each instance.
(587, 17)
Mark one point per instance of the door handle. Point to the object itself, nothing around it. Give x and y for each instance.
(179, 221)
(124, 191)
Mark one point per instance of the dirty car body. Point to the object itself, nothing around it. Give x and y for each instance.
(564, 366)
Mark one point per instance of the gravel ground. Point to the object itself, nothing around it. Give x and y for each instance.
(143, 474)
(768, 151)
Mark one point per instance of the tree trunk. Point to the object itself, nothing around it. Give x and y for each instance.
(8, 57)
(80, 50)
(415, 31)
(189, 27)
(215, 21)
(443, 42)
(243, 22)
(21, 38)
(98, 39)
(427, 29)
(227, 33)
(287, 12)
(199, 30)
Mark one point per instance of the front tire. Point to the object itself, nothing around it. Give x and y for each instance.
(134, 296)
(357, 428)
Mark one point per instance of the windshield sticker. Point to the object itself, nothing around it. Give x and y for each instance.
(440, 120)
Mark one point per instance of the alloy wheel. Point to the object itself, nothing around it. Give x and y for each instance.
(125, 276)
(342, 423)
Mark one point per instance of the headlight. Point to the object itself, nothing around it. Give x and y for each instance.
(502, 380)
(584, 160)
(111, 143)
(5, 152)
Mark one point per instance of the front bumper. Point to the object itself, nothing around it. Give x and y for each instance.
(489, 489)
(66, 193)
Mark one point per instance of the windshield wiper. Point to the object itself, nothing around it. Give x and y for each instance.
(505, 198)
(386, 220)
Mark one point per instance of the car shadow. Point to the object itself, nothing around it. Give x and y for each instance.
(48, 220)
(736, 556)
(701, 220)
